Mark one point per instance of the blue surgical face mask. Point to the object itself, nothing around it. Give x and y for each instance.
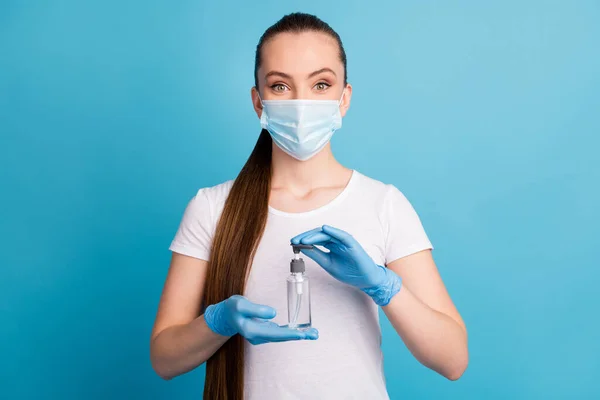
(301, 128)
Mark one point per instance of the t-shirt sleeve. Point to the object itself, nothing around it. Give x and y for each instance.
(404, 232)
(194, 236)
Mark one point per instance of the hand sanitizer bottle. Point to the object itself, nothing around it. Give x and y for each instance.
(298, 291)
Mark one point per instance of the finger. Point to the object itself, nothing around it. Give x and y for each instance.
(273, 333)
(253, 310)
(320, 238)
(257, 341)
(297, 239)
(312, 334)
(340, 235)
(324, 240)
(319, 256)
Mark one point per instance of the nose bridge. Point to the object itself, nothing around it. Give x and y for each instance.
(301, 92)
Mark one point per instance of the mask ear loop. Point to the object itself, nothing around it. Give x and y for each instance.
(262, 113)
(343, 93)
(260, 99)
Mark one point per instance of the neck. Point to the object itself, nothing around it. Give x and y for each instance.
(319, 171)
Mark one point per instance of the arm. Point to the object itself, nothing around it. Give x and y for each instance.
(181, 339)
(410, 291)
(425, 318)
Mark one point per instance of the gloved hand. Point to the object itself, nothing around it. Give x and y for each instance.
(348, 262)
(239, 315)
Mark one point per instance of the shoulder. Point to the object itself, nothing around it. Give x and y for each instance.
(387, 199)
(215, 194)
(378, 191)
(400, 221)
(209, 201)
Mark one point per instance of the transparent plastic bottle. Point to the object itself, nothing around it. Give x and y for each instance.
(298, 291)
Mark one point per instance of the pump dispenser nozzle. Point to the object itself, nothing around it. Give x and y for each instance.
(297, 264)
(298, 247)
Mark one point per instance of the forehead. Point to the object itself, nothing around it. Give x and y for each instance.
(300, 53)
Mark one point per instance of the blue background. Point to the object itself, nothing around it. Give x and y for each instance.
(113, 113)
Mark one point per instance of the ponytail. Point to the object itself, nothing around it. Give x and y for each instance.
(238, 233)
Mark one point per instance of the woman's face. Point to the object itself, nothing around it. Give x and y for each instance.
(303, 65)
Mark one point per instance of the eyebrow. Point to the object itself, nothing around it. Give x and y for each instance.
(286, 76)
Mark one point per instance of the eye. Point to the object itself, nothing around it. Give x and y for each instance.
(322, 86)
(279, 87)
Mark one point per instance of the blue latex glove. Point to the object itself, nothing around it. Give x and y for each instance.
(349, 263)
(239, 315)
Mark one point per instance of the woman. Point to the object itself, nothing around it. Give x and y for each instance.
(224, 299)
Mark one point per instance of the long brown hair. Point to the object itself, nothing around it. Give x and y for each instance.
(241, 226)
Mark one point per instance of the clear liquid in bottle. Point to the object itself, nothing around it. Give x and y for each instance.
(298, 290)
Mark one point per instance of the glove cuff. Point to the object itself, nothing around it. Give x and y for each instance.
(215, 318)
(383, 293)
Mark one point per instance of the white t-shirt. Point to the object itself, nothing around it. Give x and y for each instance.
(346, 361)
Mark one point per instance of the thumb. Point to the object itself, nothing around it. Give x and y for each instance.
(253, 310)
(318, 256)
